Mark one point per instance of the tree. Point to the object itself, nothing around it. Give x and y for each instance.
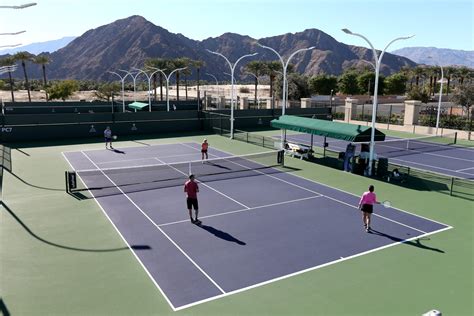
(177, 63)
(198, 64)
(43, 60)
(257, 68)
(420, 94)
(9, 61)
(186, 62)
(107, 91)
(396, 84)
(297, 86)
(464, 96)
(322, 84)
(271, 69)
(366, 82)
(63, 89)
(24, 57)
(347, 83)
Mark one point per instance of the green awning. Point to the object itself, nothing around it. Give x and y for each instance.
(137, 105)
(338, 130)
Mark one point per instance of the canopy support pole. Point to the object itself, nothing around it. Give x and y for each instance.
(324, 147)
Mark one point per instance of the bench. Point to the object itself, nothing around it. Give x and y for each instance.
(298, 150)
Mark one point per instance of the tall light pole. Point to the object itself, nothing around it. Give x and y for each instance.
(441, 81)
(22, 6)
(232, 69)
(134, 78)
(217, 85)
(378, 62)
(122, 80)
(167, 77)
(148, 77)
(284, 92)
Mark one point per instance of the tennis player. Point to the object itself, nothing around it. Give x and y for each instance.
(108, 137)
(204, 148)
(191, 189)
(366, 205)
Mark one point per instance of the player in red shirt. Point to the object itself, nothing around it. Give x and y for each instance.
(204, 147)
(191, 189)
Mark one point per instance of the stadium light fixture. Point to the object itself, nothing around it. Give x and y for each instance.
(232, 98)
(378, 61)
(285, 83)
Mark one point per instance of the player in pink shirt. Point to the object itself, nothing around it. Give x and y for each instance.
(366, 205)
(191, 189)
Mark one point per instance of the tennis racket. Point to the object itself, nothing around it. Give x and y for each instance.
(387, 204)
(114, 137)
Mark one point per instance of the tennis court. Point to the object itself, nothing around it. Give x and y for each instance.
(260, 222)
(434, 153)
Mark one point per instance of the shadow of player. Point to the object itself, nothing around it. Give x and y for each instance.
(222, 235)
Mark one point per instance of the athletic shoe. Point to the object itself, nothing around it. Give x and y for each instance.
(197, 222)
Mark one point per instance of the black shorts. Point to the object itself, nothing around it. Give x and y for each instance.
(367, 208)
(204, 151)
(108, 139)
(192, 203)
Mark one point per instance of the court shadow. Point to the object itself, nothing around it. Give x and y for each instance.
(29, 231)
(416, 243)
(222, 235)
(23, 152)
(34, 185)
(141, 143)
(3, 308)
(216, 165)
(118, 151)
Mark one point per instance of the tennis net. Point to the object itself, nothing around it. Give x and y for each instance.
(107, 181)
(402, 146)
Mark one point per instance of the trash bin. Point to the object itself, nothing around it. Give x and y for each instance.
(382, 168)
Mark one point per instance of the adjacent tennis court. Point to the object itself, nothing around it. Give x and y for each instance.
(438, 154)
(260, 222)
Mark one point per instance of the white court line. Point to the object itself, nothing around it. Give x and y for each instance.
(423, 152)
(315, 267)
(138, 159)
(206, 185)
(308, 270)
(328, 197)
(431, 166)
(245, 209)
(124, 240)
(460, 170)
(287, 182)
(158, 227)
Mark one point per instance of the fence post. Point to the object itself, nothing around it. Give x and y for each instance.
(451, 189)
(389, 117)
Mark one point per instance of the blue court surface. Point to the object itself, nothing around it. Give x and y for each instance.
(260, 223)
(451, 160)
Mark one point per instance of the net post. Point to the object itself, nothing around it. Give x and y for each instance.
(455, 137)
(263, 141)
(247, 134)
(67, 181)
(190, 171)
(451, 188)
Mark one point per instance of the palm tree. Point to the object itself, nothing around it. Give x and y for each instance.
(463, 74)
(9, 61)
(271, 69)
(178, 63)
(418, 71)
(257, 68)
(198, 64)
(24, 57)
(43, 60)
(186, 62)
(161, 64)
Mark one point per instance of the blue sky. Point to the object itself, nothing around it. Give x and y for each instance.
(442, 24)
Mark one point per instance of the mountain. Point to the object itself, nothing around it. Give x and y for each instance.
(127, 43)
(443, 56)
(41, 47)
